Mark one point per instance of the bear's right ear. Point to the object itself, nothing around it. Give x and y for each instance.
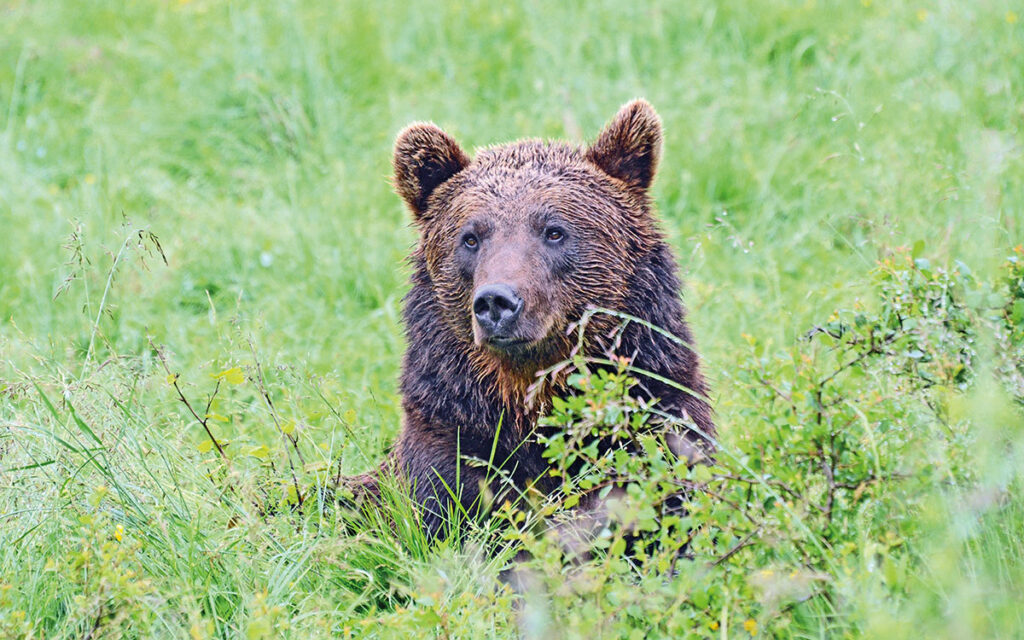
(425, 157)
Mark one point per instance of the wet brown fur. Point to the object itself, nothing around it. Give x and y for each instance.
(456, 389)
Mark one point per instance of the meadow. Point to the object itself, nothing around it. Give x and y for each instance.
(202, 265)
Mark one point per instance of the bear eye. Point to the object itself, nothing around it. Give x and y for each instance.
(554, 235)
(470, 241)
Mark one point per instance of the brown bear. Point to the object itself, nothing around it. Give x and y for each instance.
(514, 246)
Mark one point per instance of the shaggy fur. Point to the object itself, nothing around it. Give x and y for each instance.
(490, 219)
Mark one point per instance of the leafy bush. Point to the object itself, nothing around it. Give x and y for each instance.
(1010, 331)
(844, 438)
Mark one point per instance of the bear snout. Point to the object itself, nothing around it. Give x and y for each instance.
(497, 308)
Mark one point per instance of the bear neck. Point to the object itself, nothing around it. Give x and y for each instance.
(452, 384)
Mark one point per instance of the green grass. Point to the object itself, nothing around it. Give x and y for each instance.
(805, 141)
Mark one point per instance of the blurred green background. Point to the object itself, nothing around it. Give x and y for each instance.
(803, 140)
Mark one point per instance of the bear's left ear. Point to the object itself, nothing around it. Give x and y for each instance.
(425, 157)
(629, 147)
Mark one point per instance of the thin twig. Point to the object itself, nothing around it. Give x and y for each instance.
(103, 302)
(204, 420)
(261, 384)
(736, 549)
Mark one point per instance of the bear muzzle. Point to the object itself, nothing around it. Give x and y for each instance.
(496, 311)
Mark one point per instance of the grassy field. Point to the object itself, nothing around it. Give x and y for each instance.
(195, 197)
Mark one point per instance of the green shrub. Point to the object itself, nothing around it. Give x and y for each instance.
(842, 439)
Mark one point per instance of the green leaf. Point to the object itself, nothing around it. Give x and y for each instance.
(262, 452)
(233, 375)
(617, 547)
(1017, 312)
(207, 444)
(702, 473)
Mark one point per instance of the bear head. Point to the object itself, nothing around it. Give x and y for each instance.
(519, 241)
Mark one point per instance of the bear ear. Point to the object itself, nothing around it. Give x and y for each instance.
(425, 157)
(629, 147)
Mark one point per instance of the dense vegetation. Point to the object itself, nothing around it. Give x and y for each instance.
(202, 268)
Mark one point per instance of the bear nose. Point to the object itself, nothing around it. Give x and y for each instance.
(497, 307)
